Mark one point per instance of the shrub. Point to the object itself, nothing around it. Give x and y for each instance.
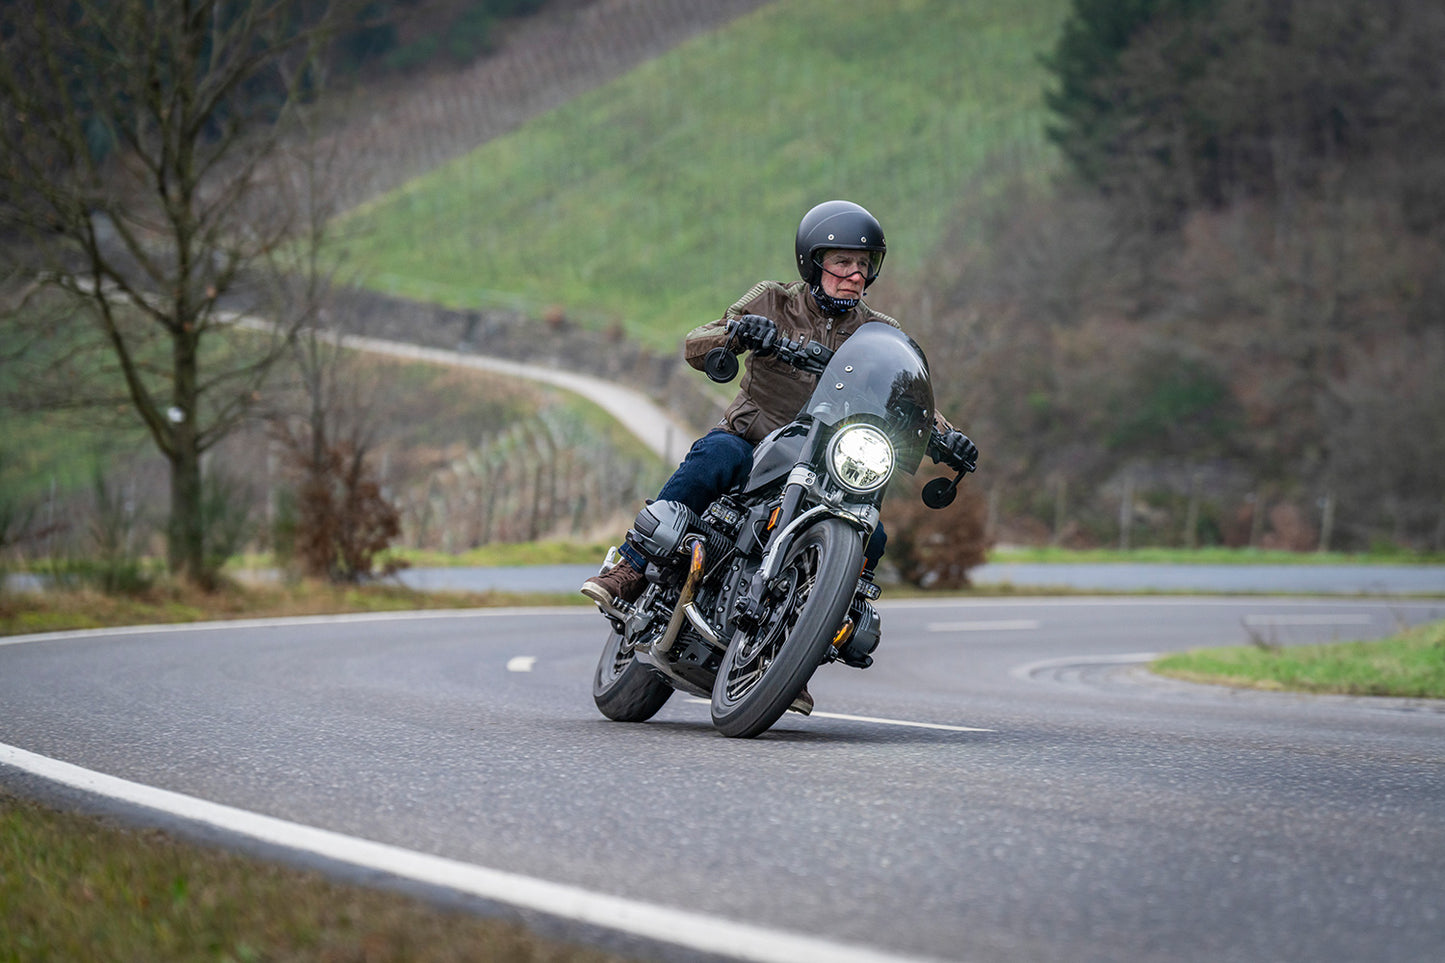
(936, 548)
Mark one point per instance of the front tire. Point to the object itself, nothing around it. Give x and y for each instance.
(765, 669)
(625, 689)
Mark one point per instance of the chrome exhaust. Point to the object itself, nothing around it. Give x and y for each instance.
(684, 600)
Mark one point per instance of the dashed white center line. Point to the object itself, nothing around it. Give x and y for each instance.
(984, 625)
(521, 663)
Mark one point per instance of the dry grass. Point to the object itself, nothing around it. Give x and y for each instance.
(75, 887)
(23, 613)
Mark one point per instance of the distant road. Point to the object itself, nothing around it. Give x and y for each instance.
(1124, 577)
(1130, 577)
(653, 425)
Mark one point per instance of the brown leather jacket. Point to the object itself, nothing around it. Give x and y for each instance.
(772, 393)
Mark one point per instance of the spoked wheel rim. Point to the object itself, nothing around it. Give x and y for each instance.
(621, 652)
(746, 668)
(623, 688)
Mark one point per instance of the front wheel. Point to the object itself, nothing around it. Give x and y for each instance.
(765, 669)
(623, 688)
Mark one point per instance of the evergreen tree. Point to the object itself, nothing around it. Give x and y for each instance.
(1086, 60)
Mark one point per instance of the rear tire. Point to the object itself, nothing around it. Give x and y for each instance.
(764, 670)
(625, 689)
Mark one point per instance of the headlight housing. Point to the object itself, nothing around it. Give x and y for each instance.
(860, 458)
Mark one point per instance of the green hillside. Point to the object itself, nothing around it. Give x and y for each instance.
(658, 199)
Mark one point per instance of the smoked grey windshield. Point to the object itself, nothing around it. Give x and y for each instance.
(879, 372)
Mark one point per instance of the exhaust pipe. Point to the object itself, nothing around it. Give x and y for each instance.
(689, 590)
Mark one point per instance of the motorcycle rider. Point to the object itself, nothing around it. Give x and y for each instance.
(839, 249)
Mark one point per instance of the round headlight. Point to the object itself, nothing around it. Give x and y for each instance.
(860, 457)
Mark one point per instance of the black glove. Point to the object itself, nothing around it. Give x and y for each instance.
(757, 332)
(954, 448)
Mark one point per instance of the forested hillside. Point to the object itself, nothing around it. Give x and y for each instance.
(1230, 313)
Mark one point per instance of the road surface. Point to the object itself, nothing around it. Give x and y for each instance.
(1004, 784)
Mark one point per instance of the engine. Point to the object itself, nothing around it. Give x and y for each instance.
(857, 651)
(660, 528)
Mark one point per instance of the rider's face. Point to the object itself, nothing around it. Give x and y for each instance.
(844, 273)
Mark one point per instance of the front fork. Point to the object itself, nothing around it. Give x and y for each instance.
(748, 610)
(750, 607)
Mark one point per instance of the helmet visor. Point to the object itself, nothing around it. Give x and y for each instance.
(845, 262)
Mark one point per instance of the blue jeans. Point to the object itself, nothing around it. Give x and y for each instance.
(720, 461)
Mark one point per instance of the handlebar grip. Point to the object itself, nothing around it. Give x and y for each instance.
(935, 444)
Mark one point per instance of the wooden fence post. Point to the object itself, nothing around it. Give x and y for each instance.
(1126, 511)
(1327, 520)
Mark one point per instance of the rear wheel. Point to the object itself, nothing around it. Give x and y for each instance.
(623, 688)
(765, 669)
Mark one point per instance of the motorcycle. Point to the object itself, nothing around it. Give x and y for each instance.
(744, 602)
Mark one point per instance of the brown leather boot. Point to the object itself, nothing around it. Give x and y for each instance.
(621, 583)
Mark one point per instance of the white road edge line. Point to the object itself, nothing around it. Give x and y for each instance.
(521, 663)
(708, 934)
(878, 721)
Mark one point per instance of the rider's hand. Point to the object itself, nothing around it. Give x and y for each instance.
(757, 332)
(954, 447)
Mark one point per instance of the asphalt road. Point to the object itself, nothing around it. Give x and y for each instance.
(1004, 784)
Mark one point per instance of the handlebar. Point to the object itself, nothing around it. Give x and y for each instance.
(809, 356)
(721, 365)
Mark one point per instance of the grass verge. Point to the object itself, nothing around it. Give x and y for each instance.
(22, 613)
(76, 887)
(500, 554)
(1409, 665)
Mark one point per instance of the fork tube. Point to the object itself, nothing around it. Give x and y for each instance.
(748, 607)
(793, 494)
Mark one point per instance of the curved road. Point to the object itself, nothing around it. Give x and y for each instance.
(657, 428)
(1004, 784)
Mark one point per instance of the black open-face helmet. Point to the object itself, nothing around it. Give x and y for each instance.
(838, 224)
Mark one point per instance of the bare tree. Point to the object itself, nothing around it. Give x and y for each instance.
(324, 426)
(144, 185)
